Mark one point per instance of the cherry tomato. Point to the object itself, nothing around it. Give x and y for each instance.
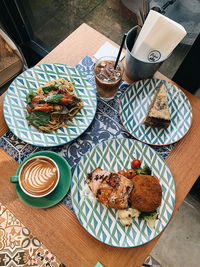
(122, 172)
(136, 164)
(130, 173)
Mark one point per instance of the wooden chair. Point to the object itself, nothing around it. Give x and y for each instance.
(12, 61)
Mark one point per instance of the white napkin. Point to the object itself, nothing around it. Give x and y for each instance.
(107, 49)
(157, 38)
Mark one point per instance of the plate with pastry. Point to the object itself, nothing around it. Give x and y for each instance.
(155, 112)
(123, 193)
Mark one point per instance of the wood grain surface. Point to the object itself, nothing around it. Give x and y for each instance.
(57, 227)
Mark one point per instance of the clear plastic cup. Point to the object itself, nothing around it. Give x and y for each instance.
(107, 78)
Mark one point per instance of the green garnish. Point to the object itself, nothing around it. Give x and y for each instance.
(53, 98)
(146, 171)
(150, 218)
(47, 89)
(30, 95)
(30, 105)
(38, 118)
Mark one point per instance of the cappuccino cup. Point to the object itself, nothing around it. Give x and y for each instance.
(38, 176)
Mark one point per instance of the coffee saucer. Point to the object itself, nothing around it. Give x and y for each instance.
(60, 191)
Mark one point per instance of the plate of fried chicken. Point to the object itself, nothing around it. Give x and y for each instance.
(123, 209)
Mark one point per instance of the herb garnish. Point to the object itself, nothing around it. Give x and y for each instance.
(47, 89)
(30, 95)
(53, 98)
(38, 118)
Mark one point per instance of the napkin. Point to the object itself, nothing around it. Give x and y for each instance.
(157, 38)
(107, 49)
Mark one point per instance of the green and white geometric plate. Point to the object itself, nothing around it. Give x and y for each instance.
(134, 105)
(14, 106)
(102, 222)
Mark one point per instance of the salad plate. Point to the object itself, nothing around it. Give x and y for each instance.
(102, 222)
(134, 105)
(14, 106)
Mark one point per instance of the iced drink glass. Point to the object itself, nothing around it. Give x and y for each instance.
(107, 78)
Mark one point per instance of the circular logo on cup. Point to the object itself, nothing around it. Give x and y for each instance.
(154, 56)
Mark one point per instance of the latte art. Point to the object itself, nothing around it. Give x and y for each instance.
(39, 176)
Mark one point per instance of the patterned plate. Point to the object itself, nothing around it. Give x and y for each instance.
(100, 221)
(14, 107)
(134, 105)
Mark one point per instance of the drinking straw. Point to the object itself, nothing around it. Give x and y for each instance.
(120, 50)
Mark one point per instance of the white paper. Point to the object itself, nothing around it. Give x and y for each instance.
(157, 38)
(107, 49)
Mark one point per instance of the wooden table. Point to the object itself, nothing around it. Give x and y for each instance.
(58, 227)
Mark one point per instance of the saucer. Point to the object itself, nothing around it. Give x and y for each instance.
(59, 192)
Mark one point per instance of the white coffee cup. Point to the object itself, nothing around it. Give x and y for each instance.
(38, 176)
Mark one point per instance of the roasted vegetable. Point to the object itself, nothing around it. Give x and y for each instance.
(126, 216)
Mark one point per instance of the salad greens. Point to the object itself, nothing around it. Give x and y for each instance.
(150, 218)
(30, 95)
(38, 118)
(47, 89)
(53, 98)
(146, 171)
